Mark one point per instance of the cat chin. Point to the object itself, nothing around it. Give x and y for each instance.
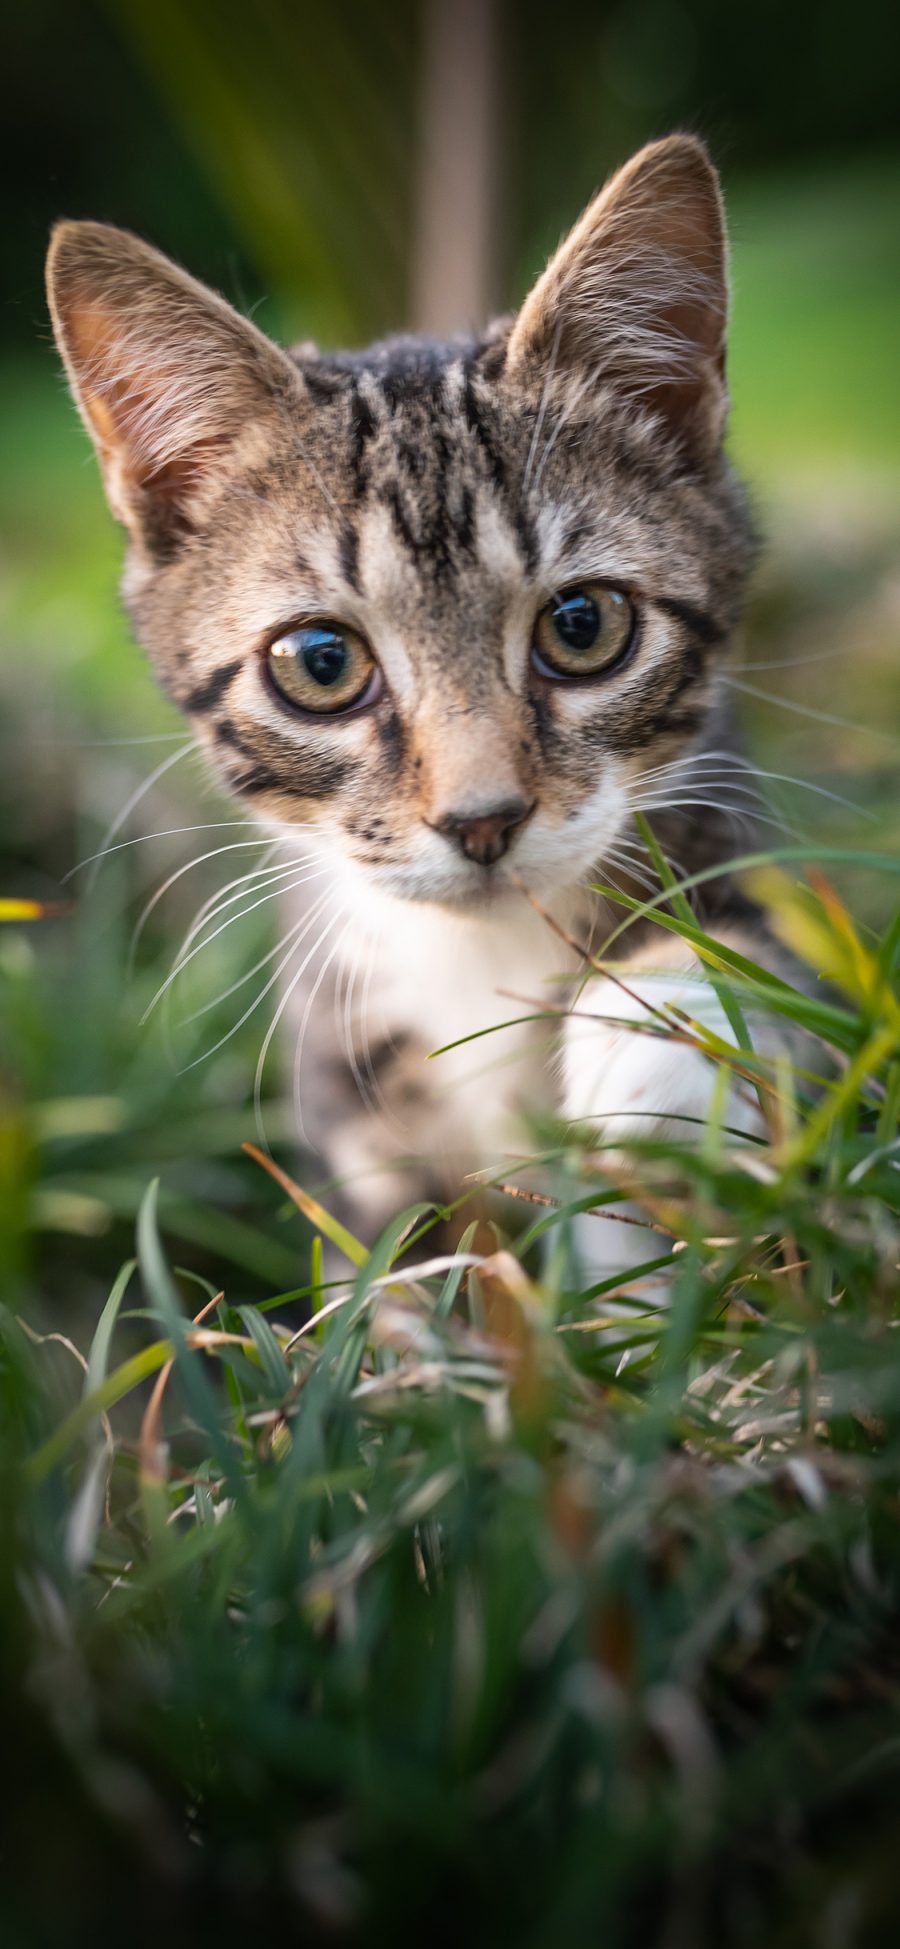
(483, 893)
(479, 893)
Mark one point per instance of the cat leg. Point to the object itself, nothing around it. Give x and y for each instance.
(625, 1080)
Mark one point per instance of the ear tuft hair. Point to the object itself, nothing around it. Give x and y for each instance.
(165, 374)
(636, 296)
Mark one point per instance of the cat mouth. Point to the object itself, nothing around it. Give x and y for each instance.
(476, 891)
(482, 892)
(479, 895)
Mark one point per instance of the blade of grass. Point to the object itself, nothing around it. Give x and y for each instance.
(332, 1228)
(163, 1295)
(98, 1356)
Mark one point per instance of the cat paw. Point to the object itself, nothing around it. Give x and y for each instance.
(623, 1072)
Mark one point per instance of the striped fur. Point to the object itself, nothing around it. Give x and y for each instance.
(433, 497)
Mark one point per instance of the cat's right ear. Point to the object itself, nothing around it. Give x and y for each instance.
(166, 375)
(635, 301)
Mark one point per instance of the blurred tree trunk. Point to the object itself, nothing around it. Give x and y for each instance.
(455, 250)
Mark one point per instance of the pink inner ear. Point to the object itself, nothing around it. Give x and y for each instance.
(120, 394)
(151, 420)
(166, 374)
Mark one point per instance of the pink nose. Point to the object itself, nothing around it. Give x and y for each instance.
(484, 836)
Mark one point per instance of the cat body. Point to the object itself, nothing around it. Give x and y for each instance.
(444, 616)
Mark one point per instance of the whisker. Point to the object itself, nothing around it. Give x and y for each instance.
(740, 815)
(167, 832)
(181, 964)
(165, 765)
(241, 982)
(631, 854)
(742, 784)
(289, 937)
(294, 935)
(222, 897)
(103, 744)
(632, 869)
(662, 794)
(235, 845)
(807, 710)
(367, 1049)
(713, 755)
(304, 1024)
(342, 1014)
(365, 1078)
(345, 990)
(217, 903)
(276, 1018)
(206, 1008)
(790, 662)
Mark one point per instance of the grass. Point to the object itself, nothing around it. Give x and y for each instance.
(480, 1608)
(453, 1600)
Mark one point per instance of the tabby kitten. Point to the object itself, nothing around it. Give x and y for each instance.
(442, 616)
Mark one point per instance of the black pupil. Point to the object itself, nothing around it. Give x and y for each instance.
(577, 622)
(324, 654)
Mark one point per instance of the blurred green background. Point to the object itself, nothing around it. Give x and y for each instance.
(341, 169)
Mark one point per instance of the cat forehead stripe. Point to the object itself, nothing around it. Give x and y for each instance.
(433, 500)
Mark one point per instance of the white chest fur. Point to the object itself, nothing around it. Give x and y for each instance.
(422, 977)
(442, 977)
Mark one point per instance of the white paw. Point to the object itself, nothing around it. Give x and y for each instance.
(633, 1081)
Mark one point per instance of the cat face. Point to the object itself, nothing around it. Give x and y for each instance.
(442, 605)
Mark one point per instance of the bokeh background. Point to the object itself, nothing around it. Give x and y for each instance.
(340, 169)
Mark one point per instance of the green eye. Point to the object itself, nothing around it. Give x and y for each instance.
(322, 667)
(584, 632)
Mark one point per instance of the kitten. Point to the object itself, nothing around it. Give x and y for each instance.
(442, 615)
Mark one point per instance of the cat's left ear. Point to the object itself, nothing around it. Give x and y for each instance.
(167, 376)
(636, 297)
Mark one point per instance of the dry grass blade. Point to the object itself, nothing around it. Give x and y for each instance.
(311, 1209)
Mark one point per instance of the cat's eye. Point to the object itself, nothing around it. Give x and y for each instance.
(323, 667)
(584, 632)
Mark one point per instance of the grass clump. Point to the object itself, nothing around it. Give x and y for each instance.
(461, 1602)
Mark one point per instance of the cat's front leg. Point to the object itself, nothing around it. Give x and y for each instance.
(625, 1076)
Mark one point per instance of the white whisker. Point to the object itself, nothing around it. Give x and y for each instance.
(207, 1007)
(102, 744)
(633, 871)
(740, 814)
(364, 1076)
(294, 935)
(217, 903)
(167, 832)
(304, 1023)
(344, 993)
(806, 710)
(364, 1030)
(198, 948)
(165, 765)
(276, 1018)
(200, 859)
(790, 662)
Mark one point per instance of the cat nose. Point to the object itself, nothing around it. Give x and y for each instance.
(484, 835)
